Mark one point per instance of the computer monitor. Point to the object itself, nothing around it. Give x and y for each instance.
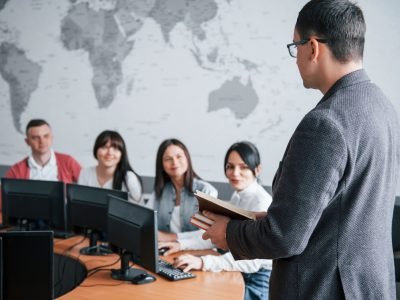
(87, 211)
(132, 233)
(34, 204)
(27, 265)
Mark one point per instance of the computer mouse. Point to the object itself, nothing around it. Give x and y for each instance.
(162, 250)
(143, 278)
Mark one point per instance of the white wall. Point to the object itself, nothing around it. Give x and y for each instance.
(165, 91)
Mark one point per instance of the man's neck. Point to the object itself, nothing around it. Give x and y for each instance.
(42, 159)
(336, 71)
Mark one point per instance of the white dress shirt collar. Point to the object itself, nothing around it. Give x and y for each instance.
(47, 172)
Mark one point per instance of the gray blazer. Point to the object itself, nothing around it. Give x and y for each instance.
(328, 228)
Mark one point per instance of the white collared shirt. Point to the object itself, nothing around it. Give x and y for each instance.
(252, 198)
(47, 172)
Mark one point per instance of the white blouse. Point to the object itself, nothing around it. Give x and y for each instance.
(88, 176)
(253, 198)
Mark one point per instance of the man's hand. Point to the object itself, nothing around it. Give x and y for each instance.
(217, 231)
(261, 215)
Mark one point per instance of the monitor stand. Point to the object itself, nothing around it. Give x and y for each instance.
(126, 273)
(93, 248)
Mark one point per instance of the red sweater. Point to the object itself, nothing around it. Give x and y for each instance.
(68, 169)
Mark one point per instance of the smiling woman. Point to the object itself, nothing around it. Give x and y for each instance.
(174, 185)
(242, 166)
(113, 170)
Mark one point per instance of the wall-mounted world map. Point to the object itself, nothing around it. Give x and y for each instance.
(209, 72)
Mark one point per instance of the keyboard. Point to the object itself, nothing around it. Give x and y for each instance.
(168, 271)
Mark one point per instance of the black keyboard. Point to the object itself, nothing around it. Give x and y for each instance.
(168, 271)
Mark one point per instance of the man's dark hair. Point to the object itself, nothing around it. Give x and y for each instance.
(340, 22)
(35, 123)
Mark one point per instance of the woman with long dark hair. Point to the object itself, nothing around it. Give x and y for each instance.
(242, 166)
(113, 170)
(174, 185)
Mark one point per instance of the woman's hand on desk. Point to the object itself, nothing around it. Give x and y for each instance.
(188, 262)
(173, 247)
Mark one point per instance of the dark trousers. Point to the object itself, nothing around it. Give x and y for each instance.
(256, 285)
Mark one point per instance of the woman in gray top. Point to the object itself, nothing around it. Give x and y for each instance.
(175, 183)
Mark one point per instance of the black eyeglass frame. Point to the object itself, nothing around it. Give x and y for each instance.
(302, 42)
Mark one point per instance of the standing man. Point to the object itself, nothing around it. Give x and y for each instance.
(328, 228)
(43, 163)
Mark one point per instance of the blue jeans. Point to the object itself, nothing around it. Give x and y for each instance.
(256, 284)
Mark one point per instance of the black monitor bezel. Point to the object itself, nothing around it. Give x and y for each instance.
(122, 238)
(28, 188)
(34, 279)
(84, 217)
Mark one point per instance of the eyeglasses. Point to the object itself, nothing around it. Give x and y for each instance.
(293, 46)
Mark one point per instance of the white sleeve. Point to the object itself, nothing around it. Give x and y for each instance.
(214, 193)
(209, 189)
(192, 240)
(133, 187)
(195, 244)
(227, 263)
(190, 234)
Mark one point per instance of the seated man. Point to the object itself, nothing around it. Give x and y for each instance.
(43, 163)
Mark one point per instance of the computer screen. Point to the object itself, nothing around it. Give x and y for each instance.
(27, 265)
(33, 204)
(87, 211)
(132, 230)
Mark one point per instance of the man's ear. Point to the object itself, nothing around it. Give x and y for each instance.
(315, 50)
(27, 141)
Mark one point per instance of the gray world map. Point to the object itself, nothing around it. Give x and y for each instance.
(108, 36)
